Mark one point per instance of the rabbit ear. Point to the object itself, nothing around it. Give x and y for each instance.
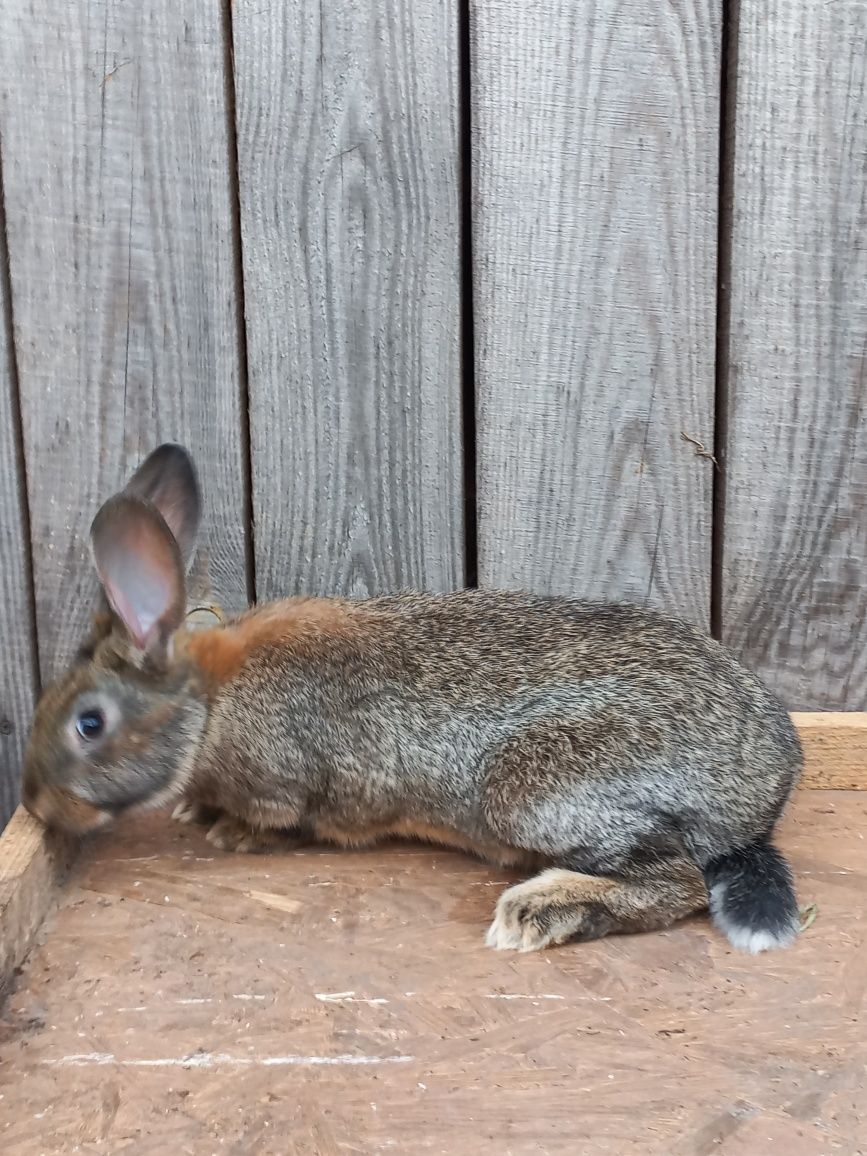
(139, 565)
(167, 479)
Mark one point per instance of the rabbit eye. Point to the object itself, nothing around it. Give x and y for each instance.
(90, 724)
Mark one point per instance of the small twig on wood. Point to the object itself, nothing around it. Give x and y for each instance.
(700, 451)
(808, 915)
(112, 71)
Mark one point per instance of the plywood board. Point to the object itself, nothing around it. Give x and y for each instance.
(348, 165)
(595, 134)
(321, 1002)
(115, 133)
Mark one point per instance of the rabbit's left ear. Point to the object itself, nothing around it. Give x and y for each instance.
(139, 565)
(167, 479)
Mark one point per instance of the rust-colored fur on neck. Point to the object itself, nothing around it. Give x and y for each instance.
(302, 624)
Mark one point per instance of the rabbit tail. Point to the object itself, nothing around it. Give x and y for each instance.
(752, 900)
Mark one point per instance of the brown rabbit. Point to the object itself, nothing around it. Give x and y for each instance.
(628, 756)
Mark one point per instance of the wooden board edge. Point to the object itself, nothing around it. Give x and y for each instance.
(835, 749)
(33, 864)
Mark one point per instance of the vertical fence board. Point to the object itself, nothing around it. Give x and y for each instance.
(119, 201)
(795, 528)
(17, 660)
(595, 145)
(347, 121)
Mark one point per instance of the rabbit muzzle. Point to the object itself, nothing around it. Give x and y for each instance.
(57, 808)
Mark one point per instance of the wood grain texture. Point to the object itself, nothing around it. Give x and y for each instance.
(327, 1003)
(33, 864)
(835, 750)
(18, 666)
(114, 127)
(595, 148)
(795, 546)
(348, 170)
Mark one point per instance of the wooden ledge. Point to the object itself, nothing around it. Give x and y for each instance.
(835, 750)
(33, 863)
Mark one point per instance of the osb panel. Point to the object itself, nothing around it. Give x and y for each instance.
(188, 1001)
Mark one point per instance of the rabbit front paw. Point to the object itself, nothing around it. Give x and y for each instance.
(190, 811)
(232, 834)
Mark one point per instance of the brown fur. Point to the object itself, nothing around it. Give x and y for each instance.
(301, 624)
(260, 833)
(408, 828)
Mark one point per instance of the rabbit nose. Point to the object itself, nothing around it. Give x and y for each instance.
(56, 807)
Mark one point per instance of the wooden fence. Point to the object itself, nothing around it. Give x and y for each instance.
(439, 296)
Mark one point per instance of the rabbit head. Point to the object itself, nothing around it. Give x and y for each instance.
(118, 729)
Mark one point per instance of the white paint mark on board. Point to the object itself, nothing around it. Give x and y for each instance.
(345, 997)
(221, 1060)
(504, 995)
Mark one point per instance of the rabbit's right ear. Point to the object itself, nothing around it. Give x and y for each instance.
(139, 564)
(167, 479)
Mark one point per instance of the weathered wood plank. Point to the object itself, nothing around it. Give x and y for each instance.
(115, 137)
(795, 546)
(18, 672)
(348, 168)
(595, 148)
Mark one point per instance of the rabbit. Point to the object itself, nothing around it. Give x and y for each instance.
(625, 758)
